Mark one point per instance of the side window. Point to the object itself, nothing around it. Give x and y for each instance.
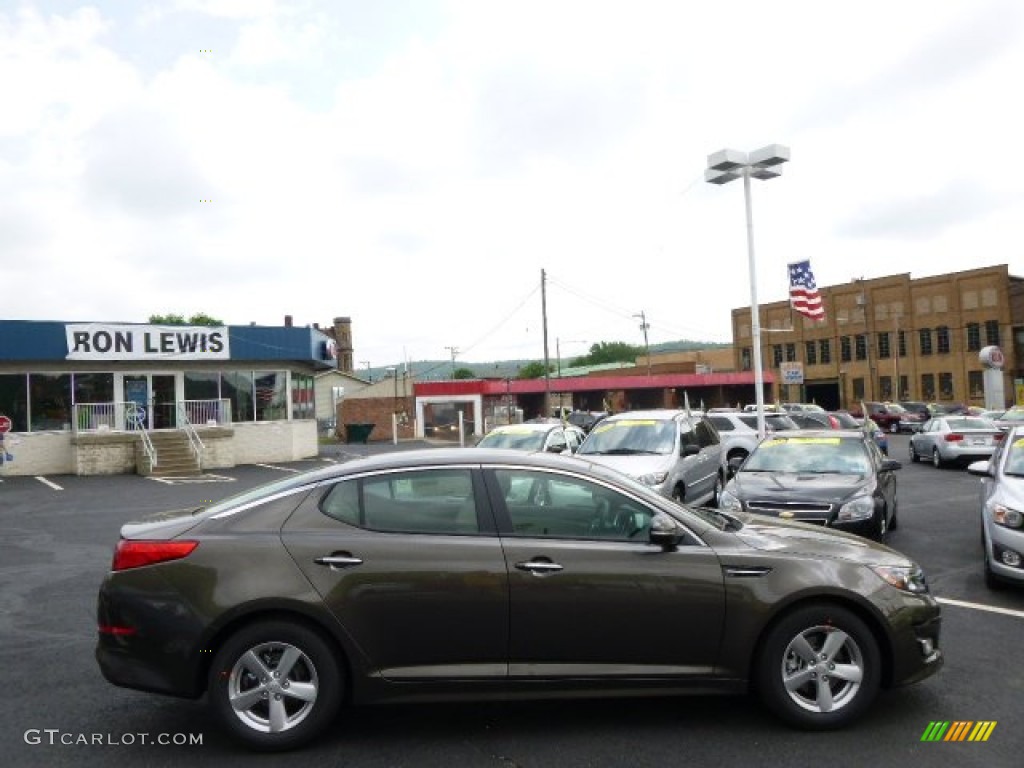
(686, 435)
(556, 442)
(721, 424)
(573, 439)
(548, 505)
(706, 434)
(429, 501)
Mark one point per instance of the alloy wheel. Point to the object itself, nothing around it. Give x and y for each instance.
(822, 669)
(273, 687)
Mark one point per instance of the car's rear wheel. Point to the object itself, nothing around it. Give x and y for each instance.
(894, 427)
(275, 685)
(913, 454)
(819, 667)
(894, 523)
(937, 461)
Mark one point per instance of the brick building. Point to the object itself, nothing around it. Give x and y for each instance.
(893, 338)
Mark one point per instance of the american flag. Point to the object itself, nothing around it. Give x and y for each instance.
(803, 291)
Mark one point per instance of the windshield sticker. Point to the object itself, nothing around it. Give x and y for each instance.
(624, 423)
(1019, 443)
(511, 431)
(801, 441)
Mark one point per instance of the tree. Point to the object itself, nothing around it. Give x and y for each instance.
(199, 318)
(609, 352)
(463, 373)
(533, 370)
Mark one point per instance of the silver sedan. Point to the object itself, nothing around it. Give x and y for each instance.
(947, 440)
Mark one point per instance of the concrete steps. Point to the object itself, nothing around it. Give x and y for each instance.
(174, 456)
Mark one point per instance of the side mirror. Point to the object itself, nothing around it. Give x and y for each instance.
(665, 532)
(557, 448)
(690, 450)
(890, 464)
(981, 468)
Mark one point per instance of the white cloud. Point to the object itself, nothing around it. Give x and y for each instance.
(414, 165)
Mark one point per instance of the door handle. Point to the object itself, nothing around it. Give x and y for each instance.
(337, 562)
(539, 567)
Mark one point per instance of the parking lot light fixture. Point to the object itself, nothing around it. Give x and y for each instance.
(728, 165)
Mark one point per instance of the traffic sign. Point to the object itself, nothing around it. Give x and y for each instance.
(5, 424)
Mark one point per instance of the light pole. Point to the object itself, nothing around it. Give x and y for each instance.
(454, 351)
(644, 325)
(727, 165)
(558, 367)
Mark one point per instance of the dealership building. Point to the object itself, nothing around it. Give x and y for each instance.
(101, 398)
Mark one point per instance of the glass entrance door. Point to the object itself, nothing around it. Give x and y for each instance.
(150, 400)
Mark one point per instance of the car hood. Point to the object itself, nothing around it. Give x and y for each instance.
(804, 486)
(771, 534)
(635, 465)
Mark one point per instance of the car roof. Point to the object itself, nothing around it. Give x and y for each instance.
(654, 413)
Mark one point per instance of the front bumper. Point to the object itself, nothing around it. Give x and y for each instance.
(1002, 539)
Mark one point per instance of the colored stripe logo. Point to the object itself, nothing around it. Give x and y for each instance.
(958, 730)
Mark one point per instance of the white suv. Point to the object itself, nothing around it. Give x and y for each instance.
(739, 430)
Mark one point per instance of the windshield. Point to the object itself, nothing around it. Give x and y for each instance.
(831, 455)
(632, 436)
(1015, 458)
(519, 438)
(1013, 415)
(955, 424)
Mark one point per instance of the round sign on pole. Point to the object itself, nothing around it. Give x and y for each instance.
(5, 424)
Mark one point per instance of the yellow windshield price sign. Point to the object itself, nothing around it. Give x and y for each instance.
(605, 426)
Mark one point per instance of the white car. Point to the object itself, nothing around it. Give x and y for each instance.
(1002, 510)
(738, 431)
(550, 436)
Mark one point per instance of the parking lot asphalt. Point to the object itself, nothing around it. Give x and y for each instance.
(56, 540)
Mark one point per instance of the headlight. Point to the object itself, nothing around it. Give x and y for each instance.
(908, 578)
(1005, 516)
(653, 478)
(727, 502)
(860, 508)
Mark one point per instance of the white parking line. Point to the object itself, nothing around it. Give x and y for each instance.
(329, 461)
(44, 481)
(282, 469)
(980, 607)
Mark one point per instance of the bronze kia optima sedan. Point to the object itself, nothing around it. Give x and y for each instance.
(485, 574)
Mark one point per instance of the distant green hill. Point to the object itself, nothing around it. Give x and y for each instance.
(441, 370)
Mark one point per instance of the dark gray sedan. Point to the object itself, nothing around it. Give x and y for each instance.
(486, 574)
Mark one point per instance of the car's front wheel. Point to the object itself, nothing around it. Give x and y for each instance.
(819, 667)
(275, 685)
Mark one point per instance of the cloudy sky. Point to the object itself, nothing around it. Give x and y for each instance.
(415, 164)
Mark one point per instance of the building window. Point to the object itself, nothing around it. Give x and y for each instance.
(903, 343)
(202, 385)
(270, 395)
(975, 384)
(883, 345)
(885, 387)
(745, 363)
(861, 346)
(992, 332)
(791, 353)
(777, 354)
(946, 386)
(925, 334)
(236, 386)
(858, 389)
(811, 350)
(825, 348)
(844, 349)
(904, 388)
(50, 401)
(94, 387)
(14, 400)
(303, 406)
(942, 339)
(973, 337)
(927, 386)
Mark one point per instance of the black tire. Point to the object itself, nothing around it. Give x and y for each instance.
(894, 523)
(914, 458)
(717, 491)
(316, 668)
(679, 494)
(807, 705)
(937, 461)
(881, 527)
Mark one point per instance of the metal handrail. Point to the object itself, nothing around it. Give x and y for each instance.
(147, 446)
(194, 441)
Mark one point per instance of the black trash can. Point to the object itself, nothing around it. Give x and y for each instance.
(358, 433)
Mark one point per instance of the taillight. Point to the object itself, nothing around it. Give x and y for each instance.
(953, 437)
(134, 554)
(998, 436)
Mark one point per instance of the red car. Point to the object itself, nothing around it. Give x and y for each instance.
(885, 415)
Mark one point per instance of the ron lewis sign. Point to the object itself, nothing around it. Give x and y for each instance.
(103, 341)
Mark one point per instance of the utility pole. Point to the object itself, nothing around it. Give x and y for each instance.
(454, 351)
(647, 348)
(896, 359)
(547, 358)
